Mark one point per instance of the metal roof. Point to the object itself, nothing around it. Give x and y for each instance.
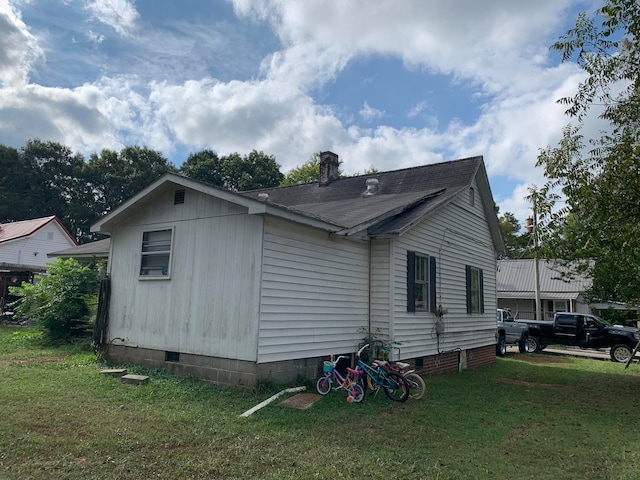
(516, 279)
(14, 230)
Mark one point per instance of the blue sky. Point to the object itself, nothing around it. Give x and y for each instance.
(388, 84)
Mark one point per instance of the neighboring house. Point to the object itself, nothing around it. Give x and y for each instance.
(24, 247)
(239, 287)
(516, 282)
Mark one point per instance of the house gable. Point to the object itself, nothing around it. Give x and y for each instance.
(25, 245)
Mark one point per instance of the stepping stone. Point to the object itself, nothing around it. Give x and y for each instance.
(136, 379)
(114, 372)
(301, 401)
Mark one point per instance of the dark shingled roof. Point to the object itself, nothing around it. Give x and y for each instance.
(402, 198)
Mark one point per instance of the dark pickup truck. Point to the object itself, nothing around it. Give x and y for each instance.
(582, 330)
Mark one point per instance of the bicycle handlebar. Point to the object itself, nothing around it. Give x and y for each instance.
(335, 362)
(363, 347)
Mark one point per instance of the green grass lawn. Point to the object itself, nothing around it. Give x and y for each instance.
(526, 417)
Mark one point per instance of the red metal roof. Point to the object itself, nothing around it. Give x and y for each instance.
(14, 230)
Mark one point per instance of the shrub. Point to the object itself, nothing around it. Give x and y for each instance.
(61, 301)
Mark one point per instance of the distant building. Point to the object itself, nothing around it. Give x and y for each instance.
(24, 247)
(516, 290)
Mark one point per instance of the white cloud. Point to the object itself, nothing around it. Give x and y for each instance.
(18, 48)
(121, 15)
(497, 47)
(369, 113)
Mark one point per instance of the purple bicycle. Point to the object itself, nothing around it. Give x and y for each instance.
(334, 380)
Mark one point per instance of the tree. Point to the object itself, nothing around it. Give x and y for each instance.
(599, 226)
(515, 243)
(58, 187)
(234, 172)
(251, 172)
(116, 176)
(19, 179)
(62, 301)
(205, 166)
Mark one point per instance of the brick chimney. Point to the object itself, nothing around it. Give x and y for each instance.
(328, 167)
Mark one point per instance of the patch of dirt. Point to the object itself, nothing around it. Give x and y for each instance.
(554, 386)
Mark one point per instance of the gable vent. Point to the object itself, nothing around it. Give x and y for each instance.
(178, 197)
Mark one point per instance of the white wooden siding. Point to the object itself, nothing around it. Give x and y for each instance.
(209, 306)
(33, 249)
(457, 235)
(381, 291)
(314, 293)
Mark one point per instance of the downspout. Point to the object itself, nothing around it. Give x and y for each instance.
(369, 290)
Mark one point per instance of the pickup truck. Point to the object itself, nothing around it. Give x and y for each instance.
(585, 331)
(510, 332)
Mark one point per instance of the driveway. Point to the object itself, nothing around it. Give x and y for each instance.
(601, 354)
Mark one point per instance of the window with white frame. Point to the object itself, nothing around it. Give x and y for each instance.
(156, 253)
(475, 289)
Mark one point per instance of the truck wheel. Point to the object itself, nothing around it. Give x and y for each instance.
(501, 347)
(533, 344)
(522, 344)
(620, 353)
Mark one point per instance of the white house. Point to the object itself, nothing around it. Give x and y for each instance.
(237, 287)
(24, 247)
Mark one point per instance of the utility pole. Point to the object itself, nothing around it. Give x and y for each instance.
(532, 228)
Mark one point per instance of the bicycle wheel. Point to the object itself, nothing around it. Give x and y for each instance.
(418, 387)
(396, 387)
(356, 392)
(323, 385)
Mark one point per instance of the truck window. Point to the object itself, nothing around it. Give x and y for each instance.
(566, 320)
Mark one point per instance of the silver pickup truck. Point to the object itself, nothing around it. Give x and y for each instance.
(510, 332)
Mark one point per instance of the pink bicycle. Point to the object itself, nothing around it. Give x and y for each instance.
(334, 380)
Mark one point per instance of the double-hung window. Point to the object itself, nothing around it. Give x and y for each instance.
(156, 253)
(475, 290)
(421, 282)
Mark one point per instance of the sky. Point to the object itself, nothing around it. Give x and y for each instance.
(387, 84)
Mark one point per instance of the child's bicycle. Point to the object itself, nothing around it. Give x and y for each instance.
(395, 385)
(418, 386)
(416, 382)
(334, 380)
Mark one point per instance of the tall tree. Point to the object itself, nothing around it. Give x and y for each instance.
(116, 176)
(19, 179)
(206, 166)
(600, 177)
(515, 243)
(234, 172)
(251, 172)
(58, 187)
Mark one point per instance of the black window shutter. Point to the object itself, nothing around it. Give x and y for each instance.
(432, 284)
(411, 281)
(468, 287)
(481, 291)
